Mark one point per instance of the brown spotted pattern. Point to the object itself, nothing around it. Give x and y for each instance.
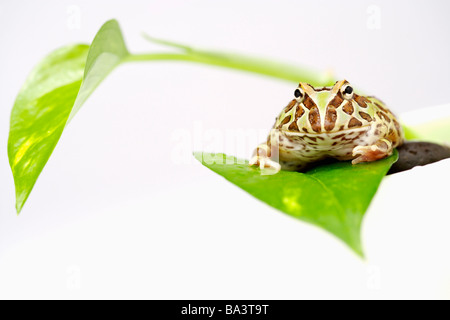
(348, 108)
(337, 100)
(330, 118)
(362, 101)
(299, 113)
(314, 118)
(381, 107)
(397, 126)
(290, 106)
(339, 136)
(354, 123)
(308, 102)
(365, 116)
(293, 126)
(383, 116)
(392, 136)
(285, 121)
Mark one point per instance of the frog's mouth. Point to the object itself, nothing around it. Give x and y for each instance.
(338, 131)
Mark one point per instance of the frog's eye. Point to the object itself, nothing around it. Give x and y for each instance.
(299, 94)
(347, 91)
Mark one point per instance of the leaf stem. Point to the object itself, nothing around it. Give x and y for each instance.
(240, 62)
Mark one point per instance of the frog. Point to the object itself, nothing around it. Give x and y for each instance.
(328, 122)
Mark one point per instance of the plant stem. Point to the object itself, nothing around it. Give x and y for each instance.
(240, 62)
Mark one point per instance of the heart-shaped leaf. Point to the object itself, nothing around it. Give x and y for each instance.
(57, 88)
(54, 91)
(333, 196)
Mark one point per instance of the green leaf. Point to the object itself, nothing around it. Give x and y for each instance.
(52, 94)
(57, 88)
(333, 196)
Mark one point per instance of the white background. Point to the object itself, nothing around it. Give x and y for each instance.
(114, 216)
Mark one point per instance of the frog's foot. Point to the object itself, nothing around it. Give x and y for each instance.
(267, 165)
(261, 158)
(381, 149)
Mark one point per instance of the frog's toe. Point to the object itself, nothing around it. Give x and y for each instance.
(374, 152)
(267, 165)
(365, 154)
(254, 161)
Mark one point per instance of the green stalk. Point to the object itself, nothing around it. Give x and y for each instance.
(240, 62)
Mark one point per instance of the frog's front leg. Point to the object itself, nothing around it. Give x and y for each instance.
(262, 158)
(266, 154)
(381, 149)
